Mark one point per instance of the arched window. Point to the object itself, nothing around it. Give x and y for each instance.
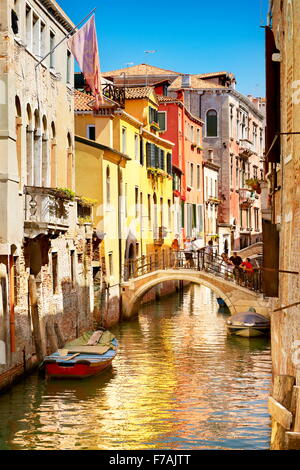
(211, 123)
(19, 138)
(37, 150)
(29, 146)
(107, 185)
(45, 154)
(53, 163)
(69, 162)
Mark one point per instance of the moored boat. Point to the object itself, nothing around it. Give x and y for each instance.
(84, 357)
(248, 324)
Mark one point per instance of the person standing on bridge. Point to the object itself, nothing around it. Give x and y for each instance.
(175, 251)
(236, 261)
(188, 253)
(249, 270)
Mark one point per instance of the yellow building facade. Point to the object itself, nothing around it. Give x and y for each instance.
(144, 184)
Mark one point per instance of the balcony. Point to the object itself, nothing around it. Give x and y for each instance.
(246, 148)
(46, 212)
(159, 235)
(247, 198)
(114, 93)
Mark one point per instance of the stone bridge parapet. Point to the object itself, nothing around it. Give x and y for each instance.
(237, 298)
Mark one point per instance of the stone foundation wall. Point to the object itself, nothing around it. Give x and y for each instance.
(62, 315)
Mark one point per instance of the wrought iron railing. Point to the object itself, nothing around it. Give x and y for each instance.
(192, 260)
(115, 93)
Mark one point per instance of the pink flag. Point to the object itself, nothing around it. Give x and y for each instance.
(84, 47)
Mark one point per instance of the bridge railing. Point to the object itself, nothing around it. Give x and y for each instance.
(192, 260)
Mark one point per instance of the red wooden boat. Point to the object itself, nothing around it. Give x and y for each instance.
(79, 360)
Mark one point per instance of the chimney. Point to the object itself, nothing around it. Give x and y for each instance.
(180, 95)
(210, 157)
(186, 81)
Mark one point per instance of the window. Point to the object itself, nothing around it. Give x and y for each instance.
(237, 173)
(162, 120)
(141, 212)
(255, 172)
(28, 28)
(261, 140)
(198, 137)
(124, 139)
(153, 115)
(200, 218)
(231, 171)
(198, 177)
(36, 35)
(256, 219)
(69, 67)
(54, 273)
(108, 185)
(141, 151)
(149, 208)
(161, 159)
(14, 22)
(192, 175)
(110, 264)
(43, 40)
(52, 53)
(254, 135)
(169, 163)
(192, 134)
(231, 121)
(91, 132)
(136, 146)
(136, 199)
(211, 123)
(161, 212)
(72, 262)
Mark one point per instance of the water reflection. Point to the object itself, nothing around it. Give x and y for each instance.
(178, 382)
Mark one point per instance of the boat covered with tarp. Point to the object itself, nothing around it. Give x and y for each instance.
(88, 355)
(248, 324)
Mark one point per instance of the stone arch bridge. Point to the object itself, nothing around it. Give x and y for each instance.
(237, 297)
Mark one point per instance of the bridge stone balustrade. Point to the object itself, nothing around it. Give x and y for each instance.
(237, 298)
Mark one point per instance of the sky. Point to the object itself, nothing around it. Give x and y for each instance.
(192, 36)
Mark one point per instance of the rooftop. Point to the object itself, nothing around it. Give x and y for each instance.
(141, 69)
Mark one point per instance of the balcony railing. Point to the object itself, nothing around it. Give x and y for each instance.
(46, 212)
(246, 148)
(114, 93)
(247, 197)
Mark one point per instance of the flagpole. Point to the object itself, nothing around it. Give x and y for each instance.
(66, 37)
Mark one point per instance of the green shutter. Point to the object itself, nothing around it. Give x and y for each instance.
(148, 154)
(169, 163)
(157, 156)
(141, 151)
(162, 120)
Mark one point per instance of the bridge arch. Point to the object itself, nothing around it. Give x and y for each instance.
(134, 290)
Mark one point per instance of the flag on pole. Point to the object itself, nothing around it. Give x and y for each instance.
(84, 47)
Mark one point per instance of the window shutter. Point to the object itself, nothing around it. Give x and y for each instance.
(162, 121)
(169, 163)
(141, 151)
(162, 159)
(157, 156)
(148, 154)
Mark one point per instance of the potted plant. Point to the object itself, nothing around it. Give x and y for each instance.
(254, 184)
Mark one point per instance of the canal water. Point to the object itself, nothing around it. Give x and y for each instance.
(178, 382)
